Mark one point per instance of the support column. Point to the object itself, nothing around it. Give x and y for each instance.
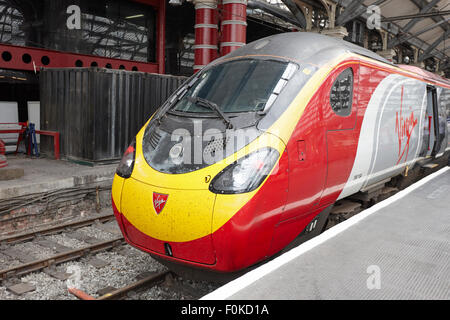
(206, 33)
(416, 54)
(384, 38)
(161, 37)
(388, 54)
(416, 61)
(366, 39)
(400, 56)
(332, 16)
(309, 16)
(234, 25)
(338, 32)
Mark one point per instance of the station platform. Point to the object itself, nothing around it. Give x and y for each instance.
(44, 174)
(51, 191)
(397, 249)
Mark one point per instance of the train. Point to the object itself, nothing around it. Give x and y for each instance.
(252, 152)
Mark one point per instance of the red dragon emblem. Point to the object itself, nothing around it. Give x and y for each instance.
(404, 126)
(159, 201)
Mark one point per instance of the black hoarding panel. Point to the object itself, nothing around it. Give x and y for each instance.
(98, 111)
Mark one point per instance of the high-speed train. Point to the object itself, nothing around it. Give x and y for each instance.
(252, 152)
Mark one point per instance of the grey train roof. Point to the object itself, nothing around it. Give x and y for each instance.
(303, 46)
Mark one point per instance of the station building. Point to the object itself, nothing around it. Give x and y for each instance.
(179, 37)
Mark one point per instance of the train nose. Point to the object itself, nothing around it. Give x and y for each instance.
(167, 221)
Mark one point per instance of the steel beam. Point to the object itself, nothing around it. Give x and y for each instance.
(275, 11)
(444, 67)
(422, 3)
(417, 16)
(298, 14)
(394, 29)
(59, 59)
(405, 38)
(425, 9)
(428, 51)
(355, 13)
(344, 16)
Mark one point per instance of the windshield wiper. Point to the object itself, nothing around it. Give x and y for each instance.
(211, 105)
(178, 96)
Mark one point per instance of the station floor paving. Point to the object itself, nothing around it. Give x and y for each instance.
(397, 249)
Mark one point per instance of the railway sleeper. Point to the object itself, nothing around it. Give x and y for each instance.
(54, 273)
(58, 259)
(21, 288)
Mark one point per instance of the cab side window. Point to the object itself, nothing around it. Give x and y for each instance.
(341, 95)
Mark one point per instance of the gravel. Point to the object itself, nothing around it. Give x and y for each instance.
(92, 231)
(47, 288)
(124, 264)
(8, 262)
(121, 271)
(176, 289)
(66, 241)
(34, 250)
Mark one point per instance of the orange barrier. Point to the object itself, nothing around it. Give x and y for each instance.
(80, 294)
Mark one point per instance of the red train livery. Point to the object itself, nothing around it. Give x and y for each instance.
(253, 151)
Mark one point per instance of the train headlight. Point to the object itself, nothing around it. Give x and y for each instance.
(245, 174)
(126, 165)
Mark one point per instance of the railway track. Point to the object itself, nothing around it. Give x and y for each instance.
(40, 264)
(163, 279)
(20, 237)
(28, 264)
(15, 278)
(116, 294)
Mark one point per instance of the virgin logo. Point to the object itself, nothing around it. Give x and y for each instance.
(404, 126)
(159, 201)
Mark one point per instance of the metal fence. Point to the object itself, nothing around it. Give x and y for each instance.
(99, 111)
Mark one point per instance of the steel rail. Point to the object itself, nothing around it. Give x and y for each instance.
(60, 258)
(75, 224)
(146, 282)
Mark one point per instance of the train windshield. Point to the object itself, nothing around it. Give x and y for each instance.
(246, 85)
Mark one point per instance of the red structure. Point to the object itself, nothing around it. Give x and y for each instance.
(232, 32)
(233, 25)
(206, 32)
(228, 30)
(31, 58)
(3, 162)
(161, 30)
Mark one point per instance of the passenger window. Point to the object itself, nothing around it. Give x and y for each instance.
(341, 96)
(445, 101)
